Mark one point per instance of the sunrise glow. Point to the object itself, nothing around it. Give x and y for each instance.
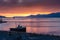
(10, 8)
(23, 14)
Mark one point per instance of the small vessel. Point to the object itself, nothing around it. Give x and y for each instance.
(18, 29)
(2, 21)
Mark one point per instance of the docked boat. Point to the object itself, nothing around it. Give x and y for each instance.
(19, 29)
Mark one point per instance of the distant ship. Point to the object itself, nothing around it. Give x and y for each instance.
(18, 29)
(2, 21)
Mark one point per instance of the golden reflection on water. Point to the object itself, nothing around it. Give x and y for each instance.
(37, 29)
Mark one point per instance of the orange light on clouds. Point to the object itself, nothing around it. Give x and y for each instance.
(11, 14)
(22, 14)
(25, 11)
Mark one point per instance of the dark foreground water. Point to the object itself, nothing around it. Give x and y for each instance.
(34, 25)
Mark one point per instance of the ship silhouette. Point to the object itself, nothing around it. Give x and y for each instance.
(19, 28)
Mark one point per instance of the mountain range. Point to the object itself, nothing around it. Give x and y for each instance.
(52, 15)
(2, 17)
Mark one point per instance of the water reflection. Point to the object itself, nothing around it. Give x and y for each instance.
(35, 25)
(38, 30)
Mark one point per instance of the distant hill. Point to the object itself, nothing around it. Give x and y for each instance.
(18, 17)
(52, 15)
(2, 17)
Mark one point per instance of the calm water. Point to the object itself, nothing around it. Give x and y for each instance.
(34, 25)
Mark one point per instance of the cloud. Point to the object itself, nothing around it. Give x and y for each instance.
(32, 2)
(44, 2)
(29, 6)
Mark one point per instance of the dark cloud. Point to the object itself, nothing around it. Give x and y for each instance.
(31, 5)
(31, 2)
(44, 2)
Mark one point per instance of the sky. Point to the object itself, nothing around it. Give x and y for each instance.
(10, 8)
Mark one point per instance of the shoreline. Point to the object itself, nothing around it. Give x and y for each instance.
(10, 35)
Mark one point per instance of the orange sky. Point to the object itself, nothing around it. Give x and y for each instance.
(25, 11)
(16, 14)
(28, 7)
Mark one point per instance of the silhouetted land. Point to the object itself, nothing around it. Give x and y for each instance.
(52, 15)
(1, 21)
(9, 35)
(2, 17)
